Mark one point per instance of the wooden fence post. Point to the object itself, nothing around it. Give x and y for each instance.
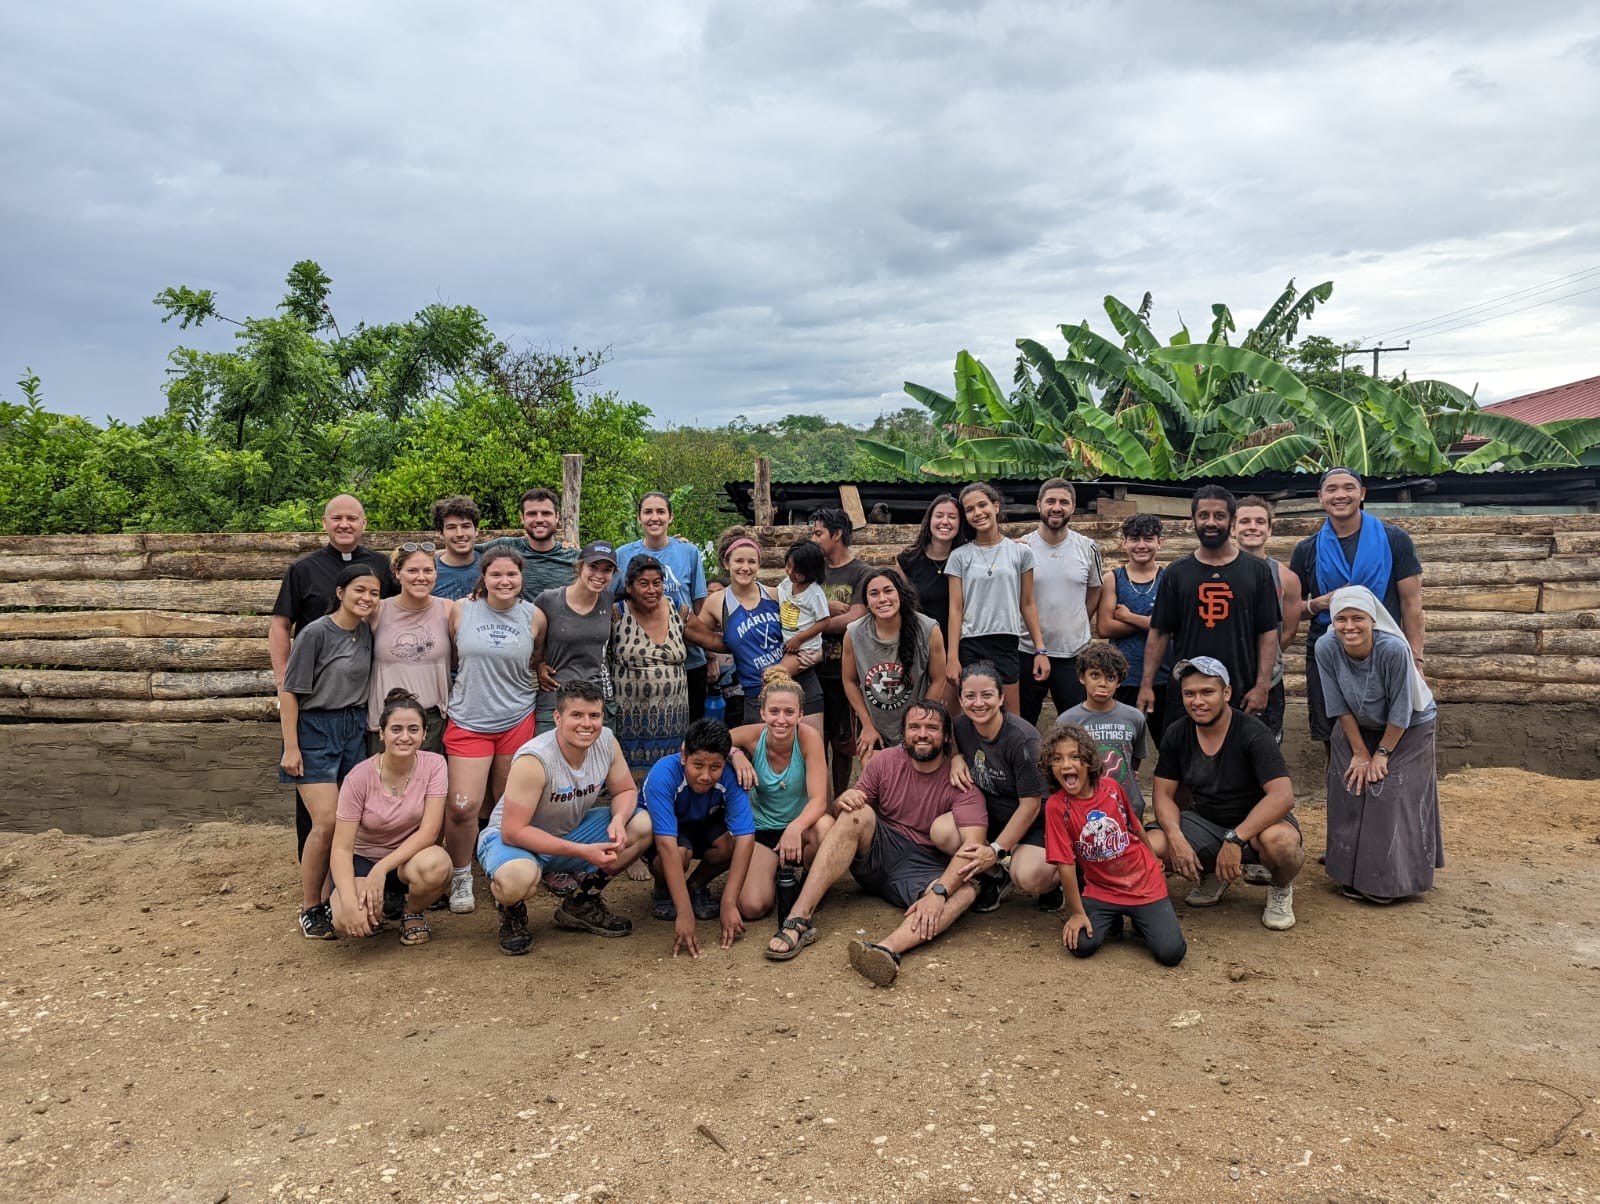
(763, 492)
(571, 497)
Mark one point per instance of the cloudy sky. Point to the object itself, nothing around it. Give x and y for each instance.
(766, 208)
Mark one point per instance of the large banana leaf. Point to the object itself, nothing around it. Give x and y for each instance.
(1283, 317)
(1353, 436)
(1143, 421)
(943, 408)
(1243, 416)
(977, 391)
(1176, 417)
(1279, 454)
(1089, 422)
(1408, 427)
(1577, 435)
(1522, 437)
(1221, 358)
(897, 458)
(1057, 394)
(1111, 361)
(1136, 336)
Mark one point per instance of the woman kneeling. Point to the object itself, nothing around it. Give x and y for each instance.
(385, 837)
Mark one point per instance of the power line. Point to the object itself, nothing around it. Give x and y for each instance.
(1508, 313)
(1571, 277)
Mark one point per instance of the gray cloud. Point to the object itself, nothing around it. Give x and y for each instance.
(796, 206)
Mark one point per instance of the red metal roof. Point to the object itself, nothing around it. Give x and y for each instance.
(1580, 399)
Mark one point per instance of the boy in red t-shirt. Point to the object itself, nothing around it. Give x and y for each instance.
(1088, 824)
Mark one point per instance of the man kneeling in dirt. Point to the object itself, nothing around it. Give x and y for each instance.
(883, 837)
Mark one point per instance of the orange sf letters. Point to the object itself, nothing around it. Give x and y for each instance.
(1216, 602)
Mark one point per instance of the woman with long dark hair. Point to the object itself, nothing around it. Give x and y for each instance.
(944, 529)
(893, 656)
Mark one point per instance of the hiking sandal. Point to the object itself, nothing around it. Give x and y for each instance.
(877, 964)
(414, 929)
(796, 933)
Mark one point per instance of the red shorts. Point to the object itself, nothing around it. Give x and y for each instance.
(459, 742)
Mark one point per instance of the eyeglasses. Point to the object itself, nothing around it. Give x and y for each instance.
(417, 547)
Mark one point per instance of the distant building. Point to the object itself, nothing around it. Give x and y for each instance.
(1580, 399)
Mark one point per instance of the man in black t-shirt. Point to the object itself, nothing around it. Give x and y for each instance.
(844, 582)
(307, 593)
(1219, 603)
(1400, 587)
(1243, 801)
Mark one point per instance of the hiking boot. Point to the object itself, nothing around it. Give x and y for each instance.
(561, 884)
(702, 904)
(1052, 900)
(1279, 912)
(1257, 874)
(316, 923)
(1208, 892)
(992, 891)
(462, 901)
(515, 938)
(587, 912)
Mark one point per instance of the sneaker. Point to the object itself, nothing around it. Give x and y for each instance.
(1052, 900)
(661, 905)
(515, 938)
(316, 923)
(1279, 912)
(703, 905)
(462, 901)
(1257, 874)
(1208, 891)
(561, 884)
(587, 912)
(992, 891)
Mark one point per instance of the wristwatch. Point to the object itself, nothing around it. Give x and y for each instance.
(938, 889)
(1233, 837)
(1381, 751)
(1000, 854)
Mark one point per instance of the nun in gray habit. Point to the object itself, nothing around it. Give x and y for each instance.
(1384, 840)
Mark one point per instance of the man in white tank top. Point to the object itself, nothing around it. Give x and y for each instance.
(552, 819)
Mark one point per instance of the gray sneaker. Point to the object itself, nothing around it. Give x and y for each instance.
(1208, 892)
(1257, 874)
(1279, 912)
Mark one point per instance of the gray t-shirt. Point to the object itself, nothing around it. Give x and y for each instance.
(888, 686)
(1377, 691)
(494, 688)
(574, 644)
(569, 794)
(991, 586)
(1119, 734)
(330, 668)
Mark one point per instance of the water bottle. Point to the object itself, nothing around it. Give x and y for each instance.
(716, 708)
(788, 890)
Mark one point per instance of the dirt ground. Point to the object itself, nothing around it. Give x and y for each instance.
(169, 1035)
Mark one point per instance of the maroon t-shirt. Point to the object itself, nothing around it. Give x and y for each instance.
(910, 801)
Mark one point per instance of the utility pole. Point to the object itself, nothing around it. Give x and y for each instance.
(1375, 352)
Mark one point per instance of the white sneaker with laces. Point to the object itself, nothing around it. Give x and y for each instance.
(1208, 891)
(461, 899)
(1279, 912)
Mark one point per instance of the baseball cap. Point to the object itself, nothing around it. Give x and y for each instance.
(598, 552)
(1208, 665)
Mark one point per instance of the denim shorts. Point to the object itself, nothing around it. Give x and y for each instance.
(332, 743)
(493, 852)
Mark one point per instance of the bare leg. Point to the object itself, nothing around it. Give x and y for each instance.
(903, 938)
(760, 887)
(469, 779)
(515, 881)
(1032, 874)
(850, 836)
(322, 802)
(426, 875)
(1013, 694)
(1281, 852)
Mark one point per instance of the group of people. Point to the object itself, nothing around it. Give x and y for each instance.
(542, 707)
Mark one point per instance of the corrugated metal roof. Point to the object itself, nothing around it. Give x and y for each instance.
(1580, 399)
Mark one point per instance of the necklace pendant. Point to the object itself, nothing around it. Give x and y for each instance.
(990, 572)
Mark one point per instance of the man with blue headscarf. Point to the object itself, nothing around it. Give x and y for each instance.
(1353, 548)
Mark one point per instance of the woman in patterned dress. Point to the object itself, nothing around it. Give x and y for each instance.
(647, 654)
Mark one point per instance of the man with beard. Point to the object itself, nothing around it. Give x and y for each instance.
(883, 836)
(1067, 569)
(1243, 800)
(545, 563)
(1216, 602)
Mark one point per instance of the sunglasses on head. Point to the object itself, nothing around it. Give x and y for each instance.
(417, 547)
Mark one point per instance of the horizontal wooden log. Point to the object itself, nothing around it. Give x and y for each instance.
(1512, 572)
(129, 710)
(1476, 620)
(212, 597)
(219, 566)
(72, 545)
(1570, 595)
(1496, 667)
(1577, 543)
(72, 567)
(1514, 599)
(1573, 642)
(75, 624)
(1526, 693)
(170, 653)
(87, 683)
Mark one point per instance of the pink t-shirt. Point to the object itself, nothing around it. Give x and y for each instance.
(910, 801)
(386, 823)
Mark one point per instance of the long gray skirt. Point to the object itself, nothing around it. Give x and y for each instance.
(1386, 840)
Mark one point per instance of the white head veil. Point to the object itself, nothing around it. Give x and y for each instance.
(1359, 597)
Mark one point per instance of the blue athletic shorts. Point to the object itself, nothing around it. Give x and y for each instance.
(592, 828)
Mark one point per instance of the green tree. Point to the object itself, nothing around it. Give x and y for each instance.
(690, 464)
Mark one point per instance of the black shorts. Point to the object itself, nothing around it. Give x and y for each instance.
(811, 703)
(1033, 836)
(1316, 705)
(697, 836)
(897, 868)
(1205, 838)
(1001, 651)
(769, 837)
(839, 722)
(1273, 715)
(391, 884)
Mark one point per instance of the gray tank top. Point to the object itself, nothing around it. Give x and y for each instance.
(494, 689)
(574, 644)
(1277, 582)
(888, 686)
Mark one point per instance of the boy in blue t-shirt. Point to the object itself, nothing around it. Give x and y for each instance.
(1117, 729)
(699, 810)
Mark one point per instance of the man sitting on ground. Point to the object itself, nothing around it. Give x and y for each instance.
(883, 837)
(550, 819)
(1243, 808)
